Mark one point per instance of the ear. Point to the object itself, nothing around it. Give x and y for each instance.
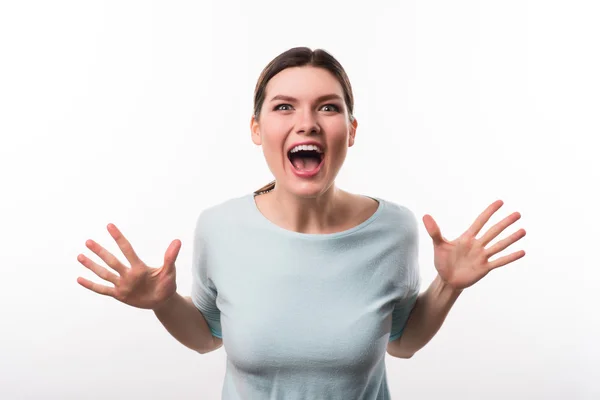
(353, 126)
(255, 130)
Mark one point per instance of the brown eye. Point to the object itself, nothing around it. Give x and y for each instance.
(332, 107)
(279, 107)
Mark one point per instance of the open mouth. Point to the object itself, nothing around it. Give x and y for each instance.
(306, 158)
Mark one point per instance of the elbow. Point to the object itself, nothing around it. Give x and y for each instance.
(402, 354)
(406, 355)
(215, 344)
(400, 349)
(202, 350)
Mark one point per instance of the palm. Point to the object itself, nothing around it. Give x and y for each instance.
(146, 286)
(465, 260)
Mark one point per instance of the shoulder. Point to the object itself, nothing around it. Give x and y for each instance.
(398, 221)
(397, 212)
(219, 214)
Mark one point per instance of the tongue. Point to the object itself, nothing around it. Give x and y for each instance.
(305, 163)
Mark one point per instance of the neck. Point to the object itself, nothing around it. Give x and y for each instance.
(320, 214)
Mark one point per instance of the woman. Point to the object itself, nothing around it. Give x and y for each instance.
(307, 286)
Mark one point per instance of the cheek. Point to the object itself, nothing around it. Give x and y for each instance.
(272, 144)
(339, 140)
(273, 133)
(341, 152)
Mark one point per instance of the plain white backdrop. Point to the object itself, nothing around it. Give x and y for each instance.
(137, 113)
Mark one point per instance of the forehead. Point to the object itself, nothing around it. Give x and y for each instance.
(303, 82)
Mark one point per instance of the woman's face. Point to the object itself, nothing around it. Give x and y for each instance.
(304, 106)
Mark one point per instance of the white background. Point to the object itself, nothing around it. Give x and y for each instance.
(137, 113)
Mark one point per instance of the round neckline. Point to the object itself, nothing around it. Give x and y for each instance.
(314, 236)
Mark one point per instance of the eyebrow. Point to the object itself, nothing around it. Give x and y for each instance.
(331, 96)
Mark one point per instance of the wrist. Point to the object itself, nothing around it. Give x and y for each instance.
(446, 290)
(166, 303)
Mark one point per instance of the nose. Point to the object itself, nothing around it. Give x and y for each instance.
(307, 124)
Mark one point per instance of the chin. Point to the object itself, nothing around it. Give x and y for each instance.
(307, 190)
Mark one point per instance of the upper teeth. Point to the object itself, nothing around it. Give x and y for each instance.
(306, 147)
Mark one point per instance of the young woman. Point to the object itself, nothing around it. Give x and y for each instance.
(307, 285)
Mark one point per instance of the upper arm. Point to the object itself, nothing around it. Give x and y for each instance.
(409, 279)
(402, 310)
(204, 292)
(400, 318)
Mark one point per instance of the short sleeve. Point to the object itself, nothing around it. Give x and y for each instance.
(400, 315)
(411, 284)
(204, 292)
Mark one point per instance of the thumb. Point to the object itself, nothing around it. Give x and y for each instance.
(433, 229)
(172, 253)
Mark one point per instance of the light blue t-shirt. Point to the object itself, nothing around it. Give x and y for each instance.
(304, 316)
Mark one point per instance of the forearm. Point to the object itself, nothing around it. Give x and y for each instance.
(425, 320)
(186, 323)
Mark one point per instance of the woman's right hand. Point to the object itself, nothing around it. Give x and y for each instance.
(139, 285)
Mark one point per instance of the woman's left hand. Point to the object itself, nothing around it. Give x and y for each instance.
(464, 261)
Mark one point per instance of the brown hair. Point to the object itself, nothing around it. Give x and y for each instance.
(299, 57)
